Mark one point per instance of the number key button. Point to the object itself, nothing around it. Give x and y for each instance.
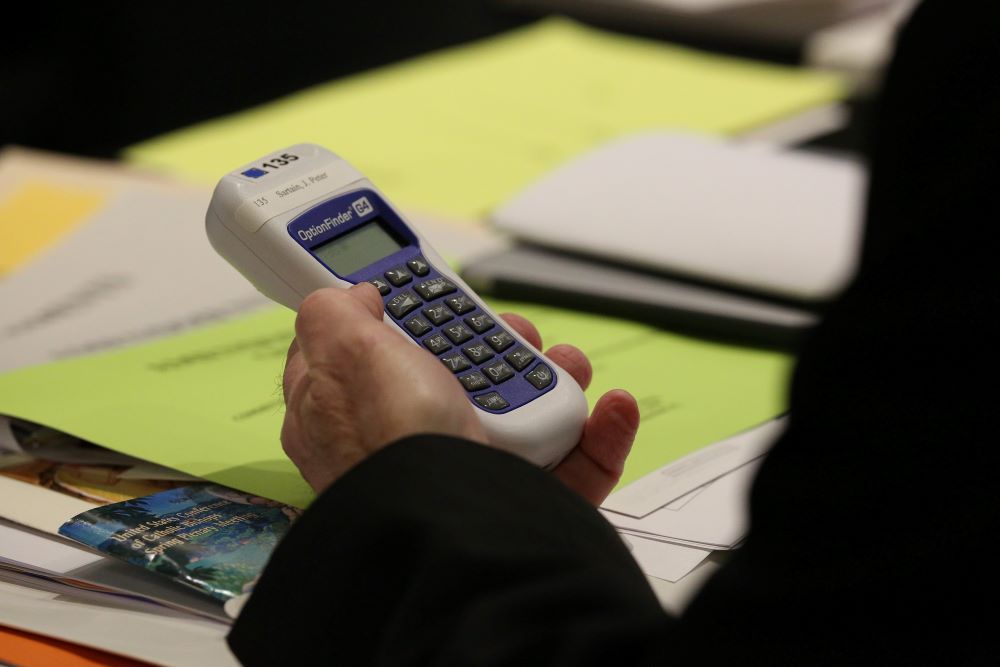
(418, 326)
(461, 304)
(381, 285)
(398, 276)
(492, 401)
(500, 341)
(419, 266)
(540, 376)
(474, 381)
(480, 323)
(435, 287)
(456, 363)
(498, 372)
(437, 343)
(477, 353)
(457, 333)
(519, 358)
(438, 314)
(403, 303)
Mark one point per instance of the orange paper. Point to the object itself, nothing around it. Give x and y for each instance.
(25, 649)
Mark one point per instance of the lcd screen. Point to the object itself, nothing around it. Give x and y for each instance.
(358, 248)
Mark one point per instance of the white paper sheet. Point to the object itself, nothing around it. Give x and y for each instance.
(748, 215)
(65, 565)
(141, 268)
(675, 596)
(37, 507)
(663, 486)
(90, 594)
(162, 640)
(714, 516)
(25, 547)
(662, 560)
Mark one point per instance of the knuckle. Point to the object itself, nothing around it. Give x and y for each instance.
(315, 304)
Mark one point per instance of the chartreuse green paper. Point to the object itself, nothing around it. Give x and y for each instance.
(208, 402)
(691, 392)
(459, 131)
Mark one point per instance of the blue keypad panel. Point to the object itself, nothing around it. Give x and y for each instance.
(498, 372)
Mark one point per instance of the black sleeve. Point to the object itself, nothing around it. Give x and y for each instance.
(869, 517)
(441, 551)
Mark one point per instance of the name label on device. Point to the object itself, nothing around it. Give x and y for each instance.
(273, 201)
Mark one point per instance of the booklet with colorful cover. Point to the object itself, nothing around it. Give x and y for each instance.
(214, 539)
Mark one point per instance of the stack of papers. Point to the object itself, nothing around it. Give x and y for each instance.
(151, 637)
(59, 567)
(121, 327)
(139, 267)
(214, 540)
(55, 587)
(676, 516)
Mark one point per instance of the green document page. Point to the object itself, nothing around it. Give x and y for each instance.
(459, 131)
(208, 402)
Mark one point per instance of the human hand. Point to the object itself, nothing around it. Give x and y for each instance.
(353, 385)
(593, 467)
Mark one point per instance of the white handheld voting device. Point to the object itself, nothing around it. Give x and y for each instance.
(303, 218)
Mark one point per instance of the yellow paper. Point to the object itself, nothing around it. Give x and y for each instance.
(37, 214)
(208, 402)
(460, 131)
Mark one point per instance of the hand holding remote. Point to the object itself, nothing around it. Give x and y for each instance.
(353, 385)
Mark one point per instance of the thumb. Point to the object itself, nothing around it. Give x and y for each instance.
(332, 320)
(368, 295)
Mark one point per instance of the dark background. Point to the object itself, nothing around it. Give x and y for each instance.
(90, 81)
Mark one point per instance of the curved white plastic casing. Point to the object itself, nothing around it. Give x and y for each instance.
(247, 225)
